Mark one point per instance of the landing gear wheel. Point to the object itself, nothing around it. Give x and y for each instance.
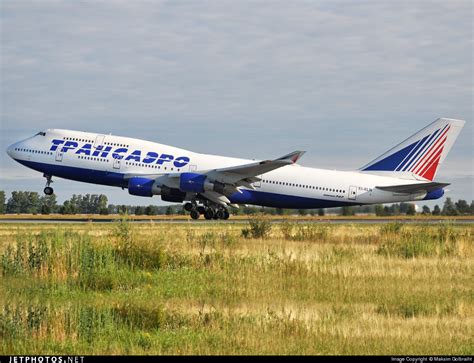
(226, 215)
(48, 190)
(201, 210)
(188, 207)
(209, 214)
(219, 214)
(195, 214)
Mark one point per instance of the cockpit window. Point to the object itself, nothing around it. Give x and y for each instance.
(41, 133)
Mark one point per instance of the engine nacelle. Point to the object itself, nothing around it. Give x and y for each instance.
(194, 183)
(143, 187)
(434, 194)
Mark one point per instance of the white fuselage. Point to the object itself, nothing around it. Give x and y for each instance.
(107, 160)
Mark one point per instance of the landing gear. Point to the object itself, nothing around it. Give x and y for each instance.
(226, 214)
(48, 190)
(209, 214)
(208, 209)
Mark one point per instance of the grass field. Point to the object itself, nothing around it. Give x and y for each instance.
(158, 288)
(186, 217)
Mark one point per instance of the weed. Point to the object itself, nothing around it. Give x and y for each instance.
(259, 227)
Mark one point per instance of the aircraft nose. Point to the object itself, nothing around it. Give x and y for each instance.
(11, 150)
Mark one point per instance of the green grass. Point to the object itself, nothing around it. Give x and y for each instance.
(206, 289)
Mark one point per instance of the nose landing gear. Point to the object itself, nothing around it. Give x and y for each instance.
(48, 190)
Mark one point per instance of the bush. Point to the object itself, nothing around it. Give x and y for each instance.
(391, 228)
(259, 227)
(303, 232)
(410, 244)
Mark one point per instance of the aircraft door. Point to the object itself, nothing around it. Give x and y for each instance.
(258, 184)
(352, 192)
(117, 163)
(99, 140)
(192, 168)
(59, 155)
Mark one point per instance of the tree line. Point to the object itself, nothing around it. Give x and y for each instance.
(33, 203)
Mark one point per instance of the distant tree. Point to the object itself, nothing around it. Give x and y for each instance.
(379, 210)
(102, 204)
(122, 209)
(250, 210)
(151, 210)
(462, 207)
(24, 202)
(71, 206)
(411, 210)
(426, 209)
(321, 212)
(449, 209)
(395, 209)
(436, 210)
(347, 211)
(139, 210)
(404, 207)
(472, 208)
(48, 204)
(169, 211)
(14, 203)
(302, 212)
(2, 202)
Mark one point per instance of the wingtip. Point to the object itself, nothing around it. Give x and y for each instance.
(293, 157)
(297, 156)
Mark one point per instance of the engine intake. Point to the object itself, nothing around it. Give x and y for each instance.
(143, 187)
(194, 183)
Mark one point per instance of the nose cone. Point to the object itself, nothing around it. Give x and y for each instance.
(11, 150)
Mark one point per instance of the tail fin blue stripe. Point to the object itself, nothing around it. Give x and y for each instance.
(419, 152)
(392, 161)
(416, 148)
(426, 147)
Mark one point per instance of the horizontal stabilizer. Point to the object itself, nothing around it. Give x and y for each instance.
(413, 188)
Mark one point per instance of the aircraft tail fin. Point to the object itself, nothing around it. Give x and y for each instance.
(420, 155)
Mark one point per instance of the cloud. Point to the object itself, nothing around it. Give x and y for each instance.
(340, 79)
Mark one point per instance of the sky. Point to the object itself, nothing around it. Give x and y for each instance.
(343, 80)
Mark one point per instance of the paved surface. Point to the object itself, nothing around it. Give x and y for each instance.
(242, 221)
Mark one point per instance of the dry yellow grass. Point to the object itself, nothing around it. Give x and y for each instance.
(219, 293)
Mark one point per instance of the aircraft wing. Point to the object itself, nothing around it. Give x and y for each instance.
(228, 180)
(247, 173)
(413, 188)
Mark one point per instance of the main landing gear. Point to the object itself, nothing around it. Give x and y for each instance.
(209, 212)
(48, 190)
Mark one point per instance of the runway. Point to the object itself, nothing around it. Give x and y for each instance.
(238, 221)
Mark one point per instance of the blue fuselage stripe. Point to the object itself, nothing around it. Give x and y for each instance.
(246, 197)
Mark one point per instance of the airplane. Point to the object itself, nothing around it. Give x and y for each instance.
(209, 184)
